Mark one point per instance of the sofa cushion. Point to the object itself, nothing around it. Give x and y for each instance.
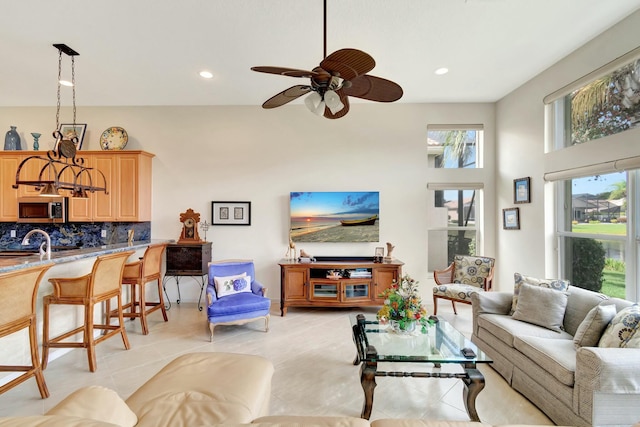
(591, 328)
(581, 301)
(519, 279)
(506, 328)
(557, 357)
(623, 329)
(205, 389)
(541, 306)
(407, 422)
(52, 421)
(98, 403)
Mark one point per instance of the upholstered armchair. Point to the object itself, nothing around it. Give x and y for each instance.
(465, 275)
(234, 297)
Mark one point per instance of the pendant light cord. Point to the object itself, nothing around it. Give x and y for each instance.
(325, 29)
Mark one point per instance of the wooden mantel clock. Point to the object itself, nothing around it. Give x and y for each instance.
(189, 220)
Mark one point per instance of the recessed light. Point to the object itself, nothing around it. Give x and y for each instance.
(206, 74)
(66, 83)
(441, 71)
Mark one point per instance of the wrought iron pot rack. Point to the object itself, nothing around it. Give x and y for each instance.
(53, 168)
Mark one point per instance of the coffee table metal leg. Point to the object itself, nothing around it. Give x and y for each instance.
(473, 384)
(368, 381)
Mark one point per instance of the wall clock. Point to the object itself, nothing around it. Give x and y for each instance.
(189, 220)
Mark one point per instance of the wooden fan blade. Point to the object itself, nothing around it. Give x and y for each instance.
(291, 72)
(345, 100)
(348, 63)
(286, 96)
(374, 89)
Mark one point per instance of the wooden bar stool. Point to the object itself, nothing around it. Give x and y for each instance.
(18, 294)
(102, 284)
(138, 274)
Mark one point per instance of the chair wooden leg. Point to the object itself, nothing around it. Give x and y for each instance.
(88, 337)
(125, 339)
(435, 305)
(45, 334)
(161, 299)
(35, 361)
(143, 309)
(453, 304)
(211, 326)
(266, 323)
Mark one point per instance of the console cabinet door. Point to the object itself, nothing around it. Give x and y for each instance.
(324, 290)
(295, 283)
(383, 277)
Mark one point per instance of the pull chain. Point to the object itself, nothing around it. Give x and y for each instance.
(73, 83)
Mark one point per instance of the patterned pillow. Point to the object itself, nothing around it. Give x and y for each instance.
(590, 330)
(556, 284)
(623, 329)
(230, 285)
(471, 270)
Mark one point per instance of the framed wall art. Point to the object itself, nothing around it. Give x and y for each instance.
(69, 131)
(230, 213)
(522, 190)
(511, 219)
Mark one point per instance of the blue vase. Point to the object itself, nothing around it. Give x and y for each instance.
(12, 140)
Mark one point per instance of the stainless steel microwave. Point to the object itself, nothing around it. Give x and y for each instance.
(42, 209)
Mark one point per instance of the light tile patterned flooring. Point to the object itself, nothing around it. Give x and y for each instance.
(312, 351)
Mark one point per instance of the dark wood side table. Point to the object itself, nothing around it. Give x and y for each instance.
(190, 260)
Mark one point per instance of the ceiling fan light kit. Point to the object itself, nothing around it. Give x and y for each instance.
(340, 75)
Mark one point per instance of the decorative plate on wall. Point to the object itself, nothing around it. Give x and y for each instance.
(114, 138)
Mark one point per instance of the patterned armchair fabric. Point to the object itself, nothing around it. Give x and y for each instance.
(466, 275)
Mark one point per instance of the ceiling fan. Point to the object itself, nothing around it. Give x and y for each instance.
(340, 75)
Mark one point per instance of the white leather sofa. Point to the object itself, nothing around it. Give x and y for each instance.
(196, 390)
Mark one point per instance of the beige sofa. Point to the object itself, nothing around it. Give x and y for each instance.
(197, 389)
(581, 386)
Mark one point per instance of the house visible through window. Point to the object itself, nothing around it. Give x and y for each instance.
(454, 147)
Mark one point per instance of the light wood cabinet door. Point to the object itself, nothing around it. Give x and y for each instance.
(383, 278)
(9, 195)
(103, 204)
(31, 172)
(295, 283)
(80, 210)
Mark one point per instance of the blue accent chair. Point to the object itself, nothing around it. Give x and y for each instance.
(225, 306)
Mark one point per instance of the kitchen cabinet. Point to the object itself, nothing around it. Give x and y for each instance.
(335, 282)
(128, 181)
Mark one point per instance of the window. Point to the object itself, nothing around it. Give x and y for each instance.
(453, 225)
(454, 147)
(605, 106)
(593, 232)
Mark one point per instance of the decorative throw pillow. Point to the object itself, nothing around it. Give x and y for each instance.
(230, 285)
(541, 306)
(519, 279)
(623, 329)
(594, 323)
(471, 270)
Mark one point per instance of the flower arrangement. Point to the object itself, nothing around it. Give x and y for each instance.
(403, 305)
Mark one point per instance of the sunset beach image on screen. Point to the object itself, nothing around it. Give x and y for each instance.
(335, 216)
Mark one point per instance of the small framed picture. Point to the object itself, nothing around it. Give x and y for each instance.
(230, 213)
(511, 219)
(69, 131)
(379, 254)
(522, 190)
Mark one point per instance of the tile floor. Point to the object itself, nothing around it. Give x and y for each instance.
(312, 351)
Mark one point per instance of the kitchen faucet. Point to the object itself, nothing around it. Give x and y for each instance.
(25, 241)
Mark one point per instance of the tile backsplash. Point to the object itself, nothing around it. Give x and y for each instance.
(78, 234)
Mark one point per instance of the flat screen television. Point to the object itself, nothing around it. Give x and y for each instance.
(335, 216)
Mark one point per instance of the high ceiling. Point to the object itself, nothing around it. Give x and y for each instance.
(149, 52)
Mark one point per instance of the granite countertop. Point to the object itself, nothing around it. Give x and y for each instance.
(8, 264)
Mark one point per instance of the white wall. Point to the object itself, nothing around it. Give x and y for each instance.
(520, 151)
(245, 153)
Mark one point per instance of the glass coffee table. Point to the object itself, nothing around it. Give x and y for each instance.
(441, 343)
